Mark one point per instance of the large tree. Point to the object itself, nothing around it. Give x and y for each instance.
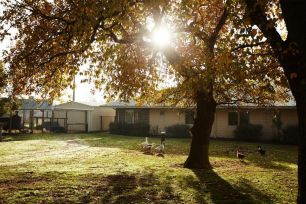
(205, 65)
(291, 54)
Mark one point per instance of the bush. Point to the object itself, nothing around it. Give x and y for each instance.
(248, 132)
(291, 134)
(136, 129)
(178, 131)
(51, 126)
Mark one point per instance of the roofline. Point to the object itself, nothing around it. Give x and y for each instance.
(77, 109)
(56, 107)
(72, 102)
(23, 109)
(218, 107)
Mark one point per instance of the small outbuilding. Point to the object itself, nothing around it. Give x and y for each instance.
(81, 117)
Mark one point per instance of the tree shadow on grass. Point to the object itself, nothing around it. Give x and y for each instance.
(57, 187)
(120, 188)
(275, 158)
(125, 188)
(272, 160)
(221, 192)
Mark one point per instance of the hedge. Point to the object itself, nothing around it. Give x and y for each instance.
(291, 134)
(136, 129)
(248, 132)
(178, 130)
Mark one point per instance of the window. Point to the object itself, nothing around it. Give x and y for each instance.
(244, 117)
(129, 116)
(162, 113)
(238, 118)
(277, 120)
(189, 117)
(233, 118)
(136, 116)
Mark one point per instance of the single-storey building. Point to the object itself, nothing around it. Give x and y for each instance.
(227, 118)
(81, 117)
(69, 117)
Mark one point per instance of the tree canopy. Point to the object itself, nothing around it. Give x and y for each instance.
(218, 52)
(55, 38)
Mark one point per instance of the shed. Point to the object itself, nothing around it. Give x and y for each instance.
(83, 117)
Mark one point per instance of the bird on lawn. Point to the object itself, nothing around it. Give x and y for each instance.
(261, 151)
(143, 144)
(146, 146)
(240, 155)
(160, 149)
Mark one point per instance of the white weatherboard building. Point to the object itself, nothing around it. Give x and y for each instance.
(79, 117)
(227, 118)
(82, 117)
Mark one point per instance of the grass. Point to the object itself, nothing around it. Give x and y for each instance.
(102, 168)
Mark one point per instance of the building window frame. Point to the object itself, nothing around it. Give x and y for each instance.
(162, 112)
(236, 118)
(130, 116)
(233, 118)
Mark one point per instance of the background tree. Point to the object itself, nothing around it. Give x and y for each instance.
(291, 54)
(204, 64)
(4, 102)
(3, 78)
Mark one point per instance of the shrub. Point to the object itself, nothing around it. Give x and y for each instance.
(51, 126)
(136, 129)
(248, 132)
(291, 134)
(178, 131)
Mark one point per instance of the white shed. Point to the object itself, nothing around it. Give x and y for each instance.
(83, 117)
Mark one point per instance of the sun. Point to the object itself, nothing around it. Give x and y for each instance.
(161, 37)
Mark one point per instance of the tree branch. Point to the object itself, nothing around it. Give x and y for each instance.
(258, 17)
(221, 22)
(247, 45)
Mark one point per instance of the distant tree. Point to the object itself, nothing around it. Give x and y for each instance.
(4, 106)
(3, 78)
(3, 82)
(203, 65)
(8, 105)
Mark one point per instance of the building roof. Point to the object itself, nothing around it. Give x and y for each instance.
(72, 105)
(31, 104)
(133, 104)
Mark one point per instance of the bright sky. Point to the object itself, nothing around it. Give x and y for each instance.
(86, 92)
(83, 91)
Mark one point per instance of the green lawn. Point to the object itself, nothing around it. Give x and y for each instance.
(101, 168)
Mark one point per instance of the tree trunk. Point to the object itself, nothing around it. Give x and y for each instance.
(201, 130)
(298, 88)
(301, 109)
(291, 54)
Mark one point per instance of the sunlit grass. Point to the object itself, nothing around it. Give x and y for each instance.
(101, 168)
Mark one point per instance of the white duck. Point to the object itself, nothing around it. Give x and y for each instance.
(145, 143)
(146, 146)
